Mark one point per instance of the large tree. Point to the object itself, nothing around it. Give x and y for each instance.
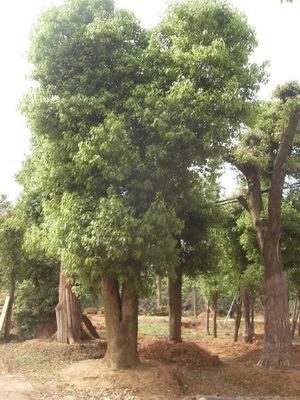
(100, 213)
(263, 158)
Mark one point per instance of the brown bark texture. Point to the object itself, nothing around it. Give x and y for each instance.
(121, 319)
(68, 313)
(277, 351)
(175, 305)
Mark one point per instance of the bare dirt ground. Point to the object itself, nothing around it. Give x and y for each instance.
(42, 369)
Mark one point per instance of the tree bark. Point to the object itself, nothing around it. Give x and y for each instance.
(159, 294)
(175, 305)
(12, 286)
(68, 313)
(277, 351)
(248, 324)
(121, 319)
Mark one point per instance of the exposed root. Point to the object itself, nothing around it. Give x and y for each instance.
(266, 362)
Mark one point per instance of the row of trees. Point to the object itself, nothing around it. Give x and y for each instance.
(129, 127)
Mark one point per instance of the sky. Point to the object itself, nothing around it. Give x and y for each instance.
(278, 32)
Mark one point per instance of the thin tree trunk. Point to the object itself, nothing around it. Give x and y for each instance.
(248, 326)
(175, 305)
(121, 319)
(238, 317)
(68, 313)
(87, 322)
(207, 319)
(12, 286)
(159, 293)
(194, 303)
(215, 313)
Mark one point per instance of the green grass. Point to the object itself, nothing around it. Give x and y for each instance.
(32, 359)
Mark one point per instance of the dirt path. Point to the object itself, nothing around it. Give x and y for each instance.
(15, 387)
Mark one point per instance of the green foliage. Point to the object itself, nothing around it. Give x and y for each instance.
(288, 90)
(35, 304)
(125, 124)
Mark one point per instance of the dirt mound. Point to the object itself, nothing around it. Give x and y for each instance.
(150, 380)
(186, 354)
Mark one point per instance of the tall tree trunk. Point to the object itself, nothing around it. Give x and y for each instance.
(248, 325)
(68, 313)
(175, 305)
(12, 286)
(238, 317)
(215, 313)
(121, 319)
(159, 294)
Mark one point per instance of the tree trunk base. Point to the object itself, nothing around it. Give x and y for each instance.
(121, 318)
(268, 362)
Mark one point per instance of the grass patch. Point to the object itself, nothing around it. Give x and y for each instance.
(32, 359)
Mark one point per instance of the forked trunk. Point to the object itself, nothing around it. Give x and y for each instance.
(68, 313)
(175, 305)
(277, 351)
(248, 324)
(121, 319)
